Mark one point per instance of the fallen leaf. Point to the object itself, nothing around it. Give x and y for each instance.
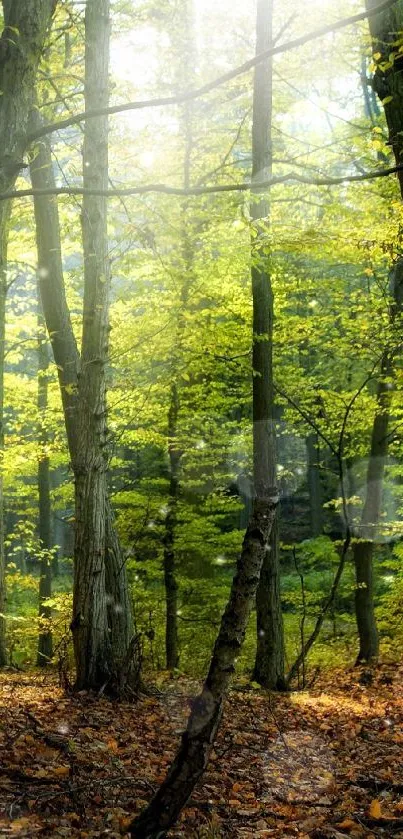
(19, 824)
(113, 745)
(347, 824)
(375, 809)
(61, 770)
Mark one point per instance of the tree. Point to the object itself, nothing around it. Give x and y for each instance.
(102, 619)
(45, 645)
(186, 45)
(25, 27)
(197, 741)
(269, 663)
(4, 210)
(385, 30)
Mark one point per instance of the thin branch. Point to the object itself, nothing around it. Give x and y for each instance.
(308, 419)
(303, 617)
(325, 608)
(339, 452)
(190, 95)
(203, 190)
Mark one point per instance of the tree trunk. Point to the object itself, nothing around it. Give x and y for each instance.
(45, 646)
(116, 607)
(385, 28)
(314, 484)
(186, 47)
(4, 217)
(18, 66)
(269, 662)
(51, 287)
(102, 619)
(94, 523)
(171, 586)
(27, 21)
(364, 548)
(197, 741)
(388, 84)
(364, 602)
(92, 644)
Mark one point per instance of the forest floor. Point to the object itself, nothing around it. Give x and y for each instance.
(325, 763)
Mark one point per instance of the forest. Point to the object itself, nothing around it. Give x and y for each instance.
(201, 419)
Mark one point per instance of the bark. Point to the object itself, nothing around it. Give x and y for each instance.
(52, 289)
(45, 646)
(269, 662)
(388, 84)
(171, 586)
(19, 57)
(197, 741)
(92, 643)
(25, 26)
(314, 485)
(101, 635)
(4, 216)
(102, 619)
(116, 604)
(363, 549)
(66, 356)
(385, 28)
(186, 48)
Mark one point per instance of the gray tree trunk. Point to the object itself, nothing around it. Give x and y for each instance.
(95, 533)
(384, 29)
(269, 662)
(92, 642)
(314, 484)
(171, 585)
(197, 741)
(102, 618)
(4, 215)
(45, 645)
(98, 666)
(19, 58)
(186, 48)
(364, 548)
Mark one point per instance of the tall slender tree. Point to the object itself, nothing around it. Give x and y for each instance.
(186, 50)
(197, 741)
(25, 25)
(102, 617)
(385, 29)
(269, 663)
(45, 645)
(4, 212)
